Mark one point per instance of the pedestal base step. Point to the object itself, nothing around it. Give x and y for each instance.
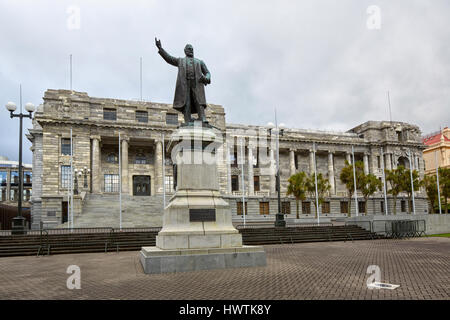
(154, 260)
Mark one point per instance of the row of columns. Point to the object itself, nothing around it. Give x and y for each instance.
(96, 165)
(292, 168)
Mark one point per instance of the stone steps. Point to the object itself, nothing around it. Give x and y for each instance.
(102, 210)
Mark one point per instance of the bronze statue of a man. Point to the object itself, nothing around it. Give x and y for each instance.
(193, 76)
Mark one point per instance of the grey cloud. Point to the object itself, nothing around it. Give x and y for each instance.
(315, 61)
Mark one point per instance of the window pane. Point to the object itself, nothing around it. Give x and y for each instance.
(65, 146)
(141, 159)
(109, 114)
(172, 118)
(142, 116)
(14, 177)
(111, 183)
(169, 183)
(65, 177)
(3, 178)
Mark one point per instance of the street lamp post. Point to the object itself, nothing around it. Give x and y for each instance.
(279, 130)
(18, 223)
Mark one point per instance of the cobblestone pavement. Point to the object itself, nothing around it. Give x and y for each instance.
(330, 270)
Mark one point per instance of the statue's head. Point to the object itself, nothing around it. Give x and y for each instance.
(189, 50)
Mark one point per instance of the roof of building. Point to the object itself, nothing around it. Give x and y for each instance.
(434, 137)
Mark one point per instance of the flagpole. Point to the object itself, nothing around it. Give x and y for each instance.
(243, 182)
(164, 170)
(437, 181)
(412, 182)
(71, 179)
(354, 182)
(120, 187)
(384, 182)
(315, 181)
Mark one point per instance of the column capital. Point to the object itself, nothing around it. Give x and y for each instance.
(331, 152)
(124, 138)
(292, 149)
(96, 137)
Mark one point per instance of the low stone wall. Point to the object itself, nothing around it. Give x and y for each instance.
(435, 223)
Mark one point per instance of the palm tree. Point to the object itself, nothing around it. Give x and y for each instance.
(297, 188)
(346, 177)
(323, 186)
(430, 185)
(369, 185)
(407, 185)
(395, 178)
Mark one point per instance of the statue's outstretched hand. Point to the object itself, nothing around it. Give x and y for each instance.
(158, 43)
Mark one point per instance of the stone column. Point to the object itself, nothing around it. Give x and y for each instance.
(251, 185)
(348, 157)
(366, 163)
(388, 161)
(292, 161)
(331, 172)
(158, 166)
(273, 170)
(311, 161)
(124, 160)
(229, 150)
(96, 165)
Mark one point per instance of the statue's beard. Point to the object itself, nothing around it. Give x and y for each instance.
(189, 54)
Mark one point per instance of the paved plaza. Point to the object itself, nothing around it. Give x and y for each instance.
(330, 270)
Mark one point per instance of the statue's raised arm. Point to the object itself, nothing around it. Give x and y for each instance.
(169, 59)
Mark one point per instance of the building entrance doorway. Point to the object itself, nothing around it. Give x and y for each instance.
(64, 213)
(141, 185)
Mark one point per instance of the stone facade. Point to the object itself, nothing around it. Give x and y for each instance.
(97, 122)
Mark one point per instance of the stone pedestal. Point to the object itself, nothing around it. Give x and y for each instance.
(197, 231)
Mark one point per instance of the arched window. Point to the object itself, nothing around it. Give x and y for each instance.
(140, 159)
(112, 158)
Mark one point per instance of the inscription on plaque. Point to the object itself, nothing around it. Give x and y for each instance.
(202, 215)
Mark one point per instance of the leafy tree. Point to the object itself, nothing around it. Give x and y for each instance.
(395, 178)
(323, 186)
(346, 178)
(297, 188)
(369, 185)
(444, 182)
(430, 185)
(406, 185)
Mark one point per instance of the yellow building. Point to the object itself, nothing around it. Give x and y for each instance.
(438, 150)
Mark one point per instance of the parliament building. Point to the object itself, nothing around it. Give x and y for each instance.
(145, 129)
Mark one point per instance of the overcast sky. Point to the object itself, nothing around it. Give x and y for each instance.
(317, 62)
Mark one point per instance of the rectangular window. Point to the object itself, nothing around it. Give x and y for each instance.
(378, 162)
(3, 177)
(65, 146)
(65, 177)
(306, 207)
(142, 116)
(109, 114)
(256, 159)
(361, 207)
(27, 178)
(172, 118)
(169, 183)
(256, 183)
(233, 158)
(382, 206)
(111, 183)
(239, 208)
(234, 183)
(14, 178)
(326, 207)
(286, 207)
(3, 194)
(344, 206)
(403, 205)
(264, 208)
